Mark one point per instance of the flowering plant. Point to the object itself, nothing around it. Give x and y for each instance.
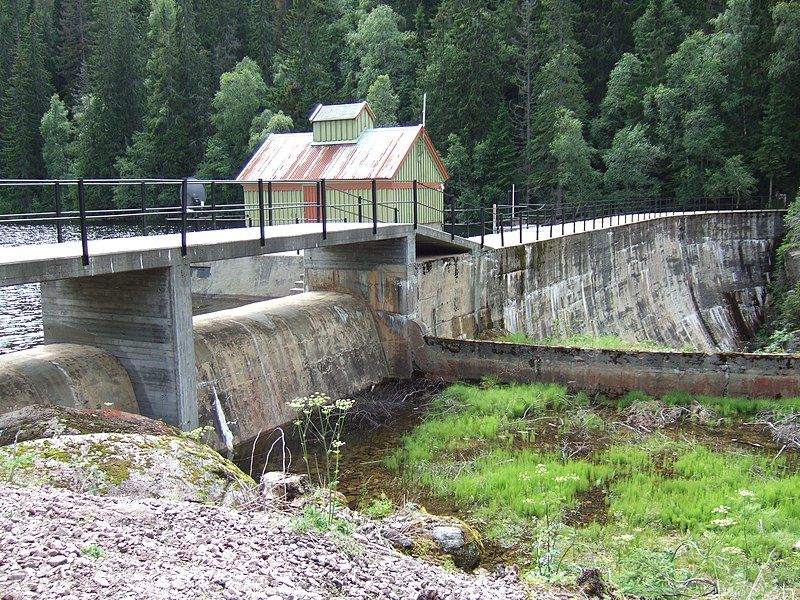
(320, 420)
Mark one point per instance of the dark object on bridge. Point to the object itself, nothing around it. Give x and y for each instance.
(44, 421)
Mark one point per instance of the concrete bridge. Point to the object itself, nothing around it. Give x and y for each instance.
(677, 278)
(133, 299)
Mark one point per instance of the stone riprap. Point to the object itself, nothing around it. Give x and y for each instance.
(58, 544)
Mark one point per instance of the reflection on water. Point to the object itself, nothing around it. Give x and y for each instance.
(21, 305)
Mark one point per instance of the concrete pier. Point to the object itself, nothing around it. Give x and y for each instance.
(144, 318)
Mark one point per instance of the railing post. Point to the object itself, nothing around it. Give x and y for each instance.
(552, 220)
(500, 226)
(562, 220)
(414, 201)
(59, 227)
(82, 213)
(483, 224)
(319, 203)
(269, 203)
(536, 218)
(360, 211)
(395, 215)
(213, 206)
(262, 237)
(143, 205)
(521, 216)
(452, 218)
(324, 206)
(374, 207)
(184, 209)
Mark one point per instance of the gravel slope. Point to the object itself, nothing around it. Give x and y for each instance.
(161, 549)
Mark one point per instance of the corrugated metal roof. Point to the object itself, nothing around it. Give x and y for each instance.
(335, 112)
(378, 154)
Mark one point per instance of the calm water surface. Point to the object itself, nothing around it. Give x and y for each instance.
(21, 305)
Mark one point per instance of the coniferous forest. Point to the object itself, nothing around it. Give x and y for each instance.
(571, 101)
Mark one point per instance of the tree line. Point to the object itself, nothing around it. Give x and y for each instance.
(573, 101)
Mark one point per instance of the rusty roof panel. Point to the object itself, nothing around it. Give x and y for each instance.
(377, 154)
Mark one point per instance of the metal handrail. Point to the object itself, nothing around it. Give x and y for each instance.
(505, 217)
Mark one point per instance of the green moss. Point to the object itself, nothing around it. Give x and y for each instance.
(116, 470)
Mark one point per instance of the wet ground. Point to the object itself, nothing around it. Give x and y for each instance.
(368, 442)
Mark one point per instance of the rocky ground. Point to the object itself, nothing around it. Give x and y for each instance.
(59, 544)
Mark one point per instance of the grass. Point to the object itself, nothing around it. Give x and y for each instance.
(681, 517)
(588, 340)
(723, 406)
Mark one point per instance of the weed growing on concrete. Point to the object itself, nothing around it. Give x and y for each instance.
(588, 340)
(320, 420)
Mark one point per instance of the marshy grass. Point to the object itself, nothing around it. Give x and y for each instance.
(675, 510)
(723, 406)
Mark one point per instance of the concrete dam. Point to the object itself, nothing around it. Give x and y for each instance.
(696, 279)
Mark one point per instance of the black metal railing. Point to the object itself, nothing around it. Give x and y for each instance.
(148, 204)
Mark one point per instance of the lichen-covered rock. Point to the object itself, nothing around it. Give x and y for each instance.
(48, 420)
(130, 465)
(433, 535)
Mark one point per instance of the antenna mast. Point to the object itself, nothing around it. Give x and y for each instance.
(424, 106)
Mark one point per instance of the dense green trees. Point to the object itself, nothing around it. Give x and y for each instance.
(571, 100)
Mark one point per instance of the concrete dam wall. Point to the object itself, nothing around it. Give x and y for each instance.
(695, 280)
(66, 374)
(252, 360)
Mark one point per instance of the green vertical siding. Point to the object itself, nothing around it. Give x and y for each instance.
(342, 130)
(342, 205)
(420, 165)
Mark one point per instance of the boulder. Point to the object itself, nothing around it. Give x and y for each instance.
(420, 533)
(127, 464)
(289, 488)
(48, 420)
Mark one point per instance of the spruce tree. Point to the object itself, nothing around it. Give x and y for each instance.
(495, 160)
(261, 35)
(25, 100)
(560, 87)
(307, 63)
(657, 34)
(779, 152)
(74, 47)
(172, 141)
(622, 105)
(115, 72)
(467, 66)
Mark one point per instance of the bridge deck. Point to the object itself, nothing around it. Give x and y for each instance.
(511, 237)
(48, 262)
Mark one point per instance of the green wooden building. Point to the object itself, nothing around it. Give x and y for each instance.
(348, 152)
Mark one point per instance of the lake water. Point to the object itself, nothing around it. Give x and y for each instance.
(21, 305)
